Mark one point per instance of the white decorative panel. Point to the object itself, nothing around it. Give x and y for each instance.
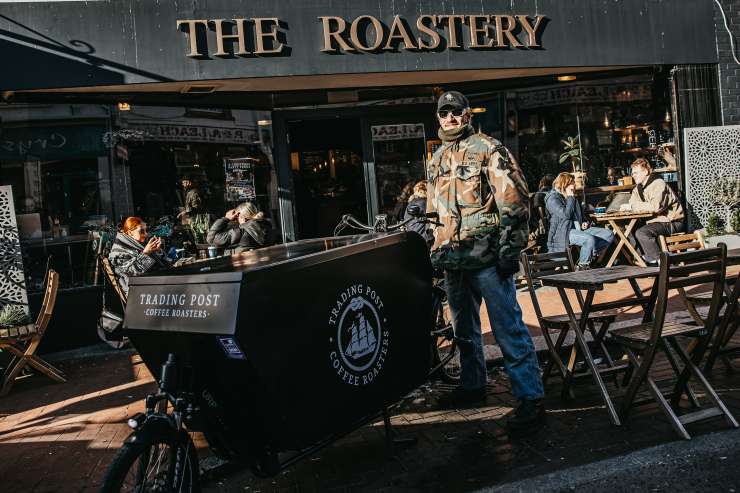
(12, 279)
(711, 152)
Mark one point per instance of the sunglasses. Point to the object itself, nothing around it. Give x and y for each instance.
(456, 113)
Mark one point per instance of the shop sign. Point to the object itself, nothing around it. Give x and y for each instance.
(267, 36)
(192, 133)
(585, 93)
(51, 142)
(397, 132)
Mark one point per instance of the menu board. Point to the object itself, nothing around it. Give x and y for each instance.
(239, 174)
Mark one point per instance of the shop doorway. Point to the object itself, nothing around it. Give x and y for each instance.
(328, 174)
(399, 154)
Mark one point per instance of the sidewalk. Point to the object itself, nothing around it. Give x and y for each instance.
(61, 437)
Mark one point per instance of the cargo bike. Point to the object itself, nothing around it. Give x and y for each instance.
(275, 353)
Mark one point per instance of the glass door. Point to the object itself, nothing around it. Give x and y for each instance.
(398, 153)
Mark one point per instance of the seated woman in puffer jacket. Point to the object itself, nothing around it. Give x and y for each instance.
(132, 254)
(568, 224)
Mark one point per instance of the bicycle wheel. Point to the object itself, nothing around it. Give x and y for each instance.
(445, 354)
(154, 463)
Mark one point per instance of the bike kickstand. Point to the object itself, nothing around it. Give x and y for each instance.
(391, 437)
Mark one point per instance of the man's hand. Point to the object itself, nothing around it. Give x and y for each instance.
(232, 215)
(507, 267)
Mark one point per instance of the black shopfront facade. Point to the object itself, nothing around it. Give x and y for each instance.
(350, 87)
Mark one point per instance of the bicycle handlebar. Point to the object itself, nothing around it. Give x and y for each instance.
(348, 220)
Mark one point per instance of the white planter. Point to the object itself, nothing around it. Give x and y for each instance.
(731, 240)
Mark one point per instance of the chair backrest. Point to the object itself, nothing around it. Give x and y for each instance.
(50, 299)
(113, 279)
(685, 270)
(682, 242)
(544, 264)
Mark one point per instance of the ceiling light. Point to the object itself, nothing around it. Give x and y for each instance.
(478, 110)
(124, 107)
(566, 78)
(264, 123)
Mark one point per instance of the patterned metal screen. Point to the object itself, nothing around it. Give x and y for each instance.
(711, 153)
(12, 279)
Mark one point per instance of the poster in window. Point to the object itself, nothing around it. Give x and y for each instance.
(239, 179)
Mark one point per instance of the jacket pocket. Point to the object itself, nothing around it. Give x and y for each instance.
(469, 184)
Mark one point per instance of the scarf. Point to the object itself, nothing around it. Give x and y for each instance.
(641, 188)
(455, 134)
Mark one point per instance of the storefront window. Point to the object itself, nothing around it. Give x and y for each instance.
(399, 164)
(612, 121)
(58, 175)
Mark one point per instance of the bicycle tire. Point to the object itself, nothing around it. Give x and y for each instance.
(141, 451)
(444, 346)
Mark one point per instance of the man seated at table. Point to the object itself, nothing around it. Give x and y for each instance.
(652, 194)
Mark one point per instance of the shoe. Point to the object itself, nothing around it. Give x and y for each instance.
(460, 397)
(529, 417)
(583, 267)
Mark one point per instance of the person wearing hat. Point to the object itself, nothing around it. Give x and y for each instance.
(480, 196)
(193, 203)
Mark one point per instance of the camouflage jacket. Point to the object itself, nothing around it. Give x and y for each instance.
(481, 197)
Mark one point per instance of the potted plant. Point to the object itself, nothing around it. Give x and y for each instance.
(726, 192)
(715, 234)
(12, 316)
(572, 152)
(198, 229)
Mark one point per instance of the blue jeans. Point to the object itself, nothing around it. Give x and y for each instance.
(591, 240)
(465, 289)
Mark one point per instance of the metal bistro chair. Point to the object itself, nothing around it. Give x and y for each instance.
(23, 341)
(641, 342)
(544, 264)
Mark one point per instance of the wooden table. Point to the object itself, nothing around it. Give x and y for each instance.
(591, 281)
(622, 223)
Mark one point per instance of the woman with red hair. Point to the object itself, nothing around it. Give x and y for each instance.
(132, 254)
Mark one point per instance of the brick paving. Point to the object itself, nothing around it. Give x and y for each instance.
(61, 437)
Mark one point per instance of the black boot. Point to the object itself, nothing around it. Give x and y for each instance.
(529, 417)
(460, 397)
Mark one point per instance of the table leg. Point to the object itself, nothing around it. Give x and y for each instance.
(617, 231)
(630, 248)
(578, 327)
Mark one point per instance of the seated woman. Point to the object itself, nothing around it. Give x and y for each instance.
(133, 255)
(568, 225)
(225, 232)
(418, 200)
(256, 229)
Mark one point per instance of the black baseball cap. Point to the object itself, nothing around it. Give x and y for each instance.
(452, 100)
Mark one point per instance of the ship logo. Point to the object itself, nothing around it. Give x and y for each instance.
(359, 340)
(358, 334)
(362, 339)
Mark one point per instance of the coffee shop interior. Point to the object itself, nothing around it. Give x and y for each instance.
(315, 156)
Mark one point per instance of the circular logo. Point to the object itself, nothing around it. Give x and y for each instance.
(359, 344)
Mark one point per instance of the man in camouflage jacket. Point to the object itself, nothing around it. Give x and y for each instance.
(480, 196)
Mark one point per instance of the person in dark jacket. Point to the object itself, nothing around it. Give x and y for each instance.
(419, 199)
(132, 254)
(256, 230)
(225, 231)
(568, 224)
